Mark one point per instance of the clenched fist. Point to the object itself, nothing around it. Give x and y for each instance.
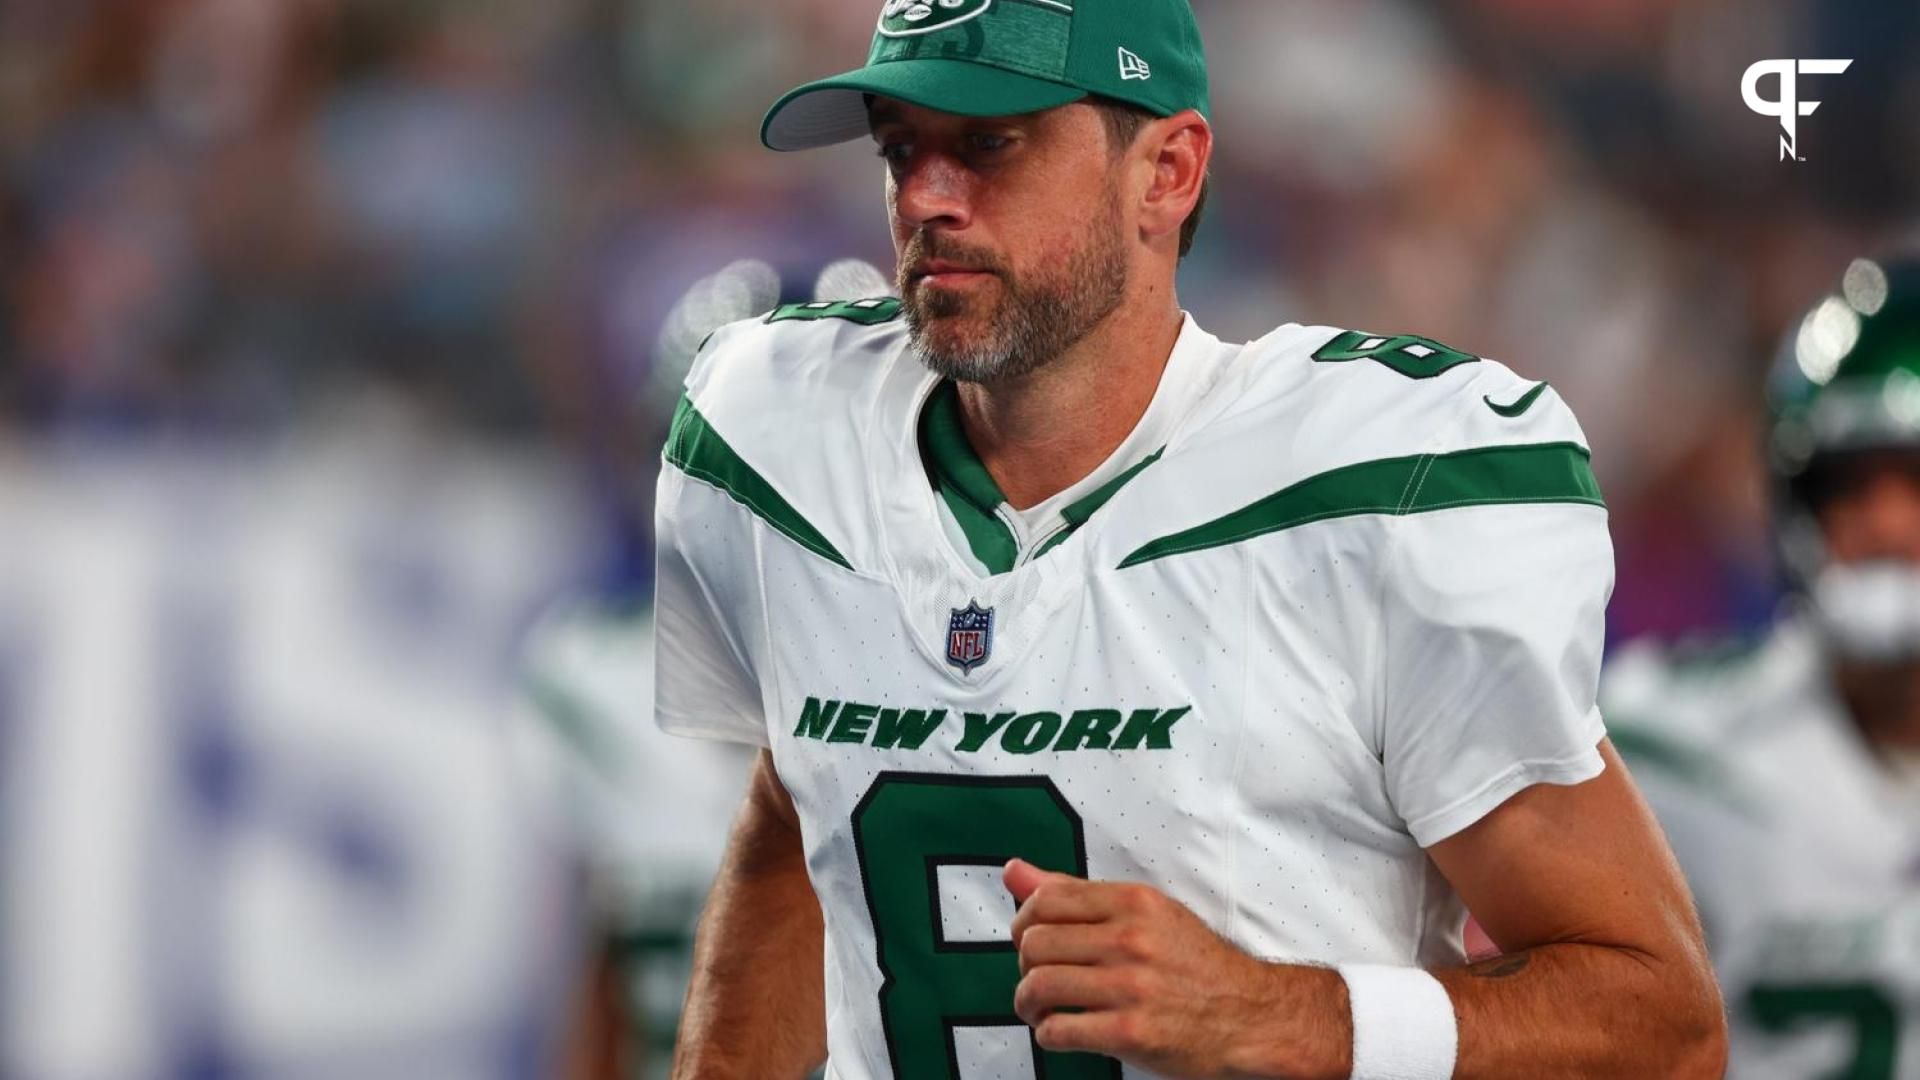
(1127, 971)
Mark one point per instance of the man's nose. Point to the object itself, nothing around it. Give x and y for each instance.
(935, 191)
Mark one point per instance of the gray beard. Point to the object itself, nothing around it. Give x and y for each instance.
(1038, 321)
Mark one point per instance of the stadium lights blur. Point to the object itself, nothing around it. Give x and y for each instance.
(1865, 286)
(1826, 337)
(851, 279)
(1901, 398)
(738, 291)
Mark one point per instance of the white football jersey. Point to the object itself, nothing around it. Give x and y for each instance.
(1350, 604)
(1802, 847)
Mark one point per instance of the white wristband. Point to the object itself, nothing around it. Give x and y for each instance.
(1403, 1024)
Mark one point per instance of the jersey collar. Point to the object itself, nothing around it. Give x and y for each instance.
(963, 483)
(999, 535)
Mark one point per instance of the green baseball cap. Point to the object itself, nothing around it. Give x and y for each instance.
(1002, 58)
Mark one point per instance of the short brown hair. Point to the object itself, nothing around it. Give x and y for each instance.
(1124, 121)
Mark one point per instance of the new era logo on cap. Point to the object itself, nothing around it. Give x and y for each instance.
(1132, 67)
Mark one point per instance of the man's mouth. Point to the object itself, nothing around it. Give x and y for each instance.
(941, 273)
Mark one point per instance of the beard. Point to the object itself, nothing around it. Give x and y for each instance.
(1037, 317)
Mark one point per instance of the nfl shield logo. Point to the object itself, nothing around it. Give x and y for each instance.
(969, 637)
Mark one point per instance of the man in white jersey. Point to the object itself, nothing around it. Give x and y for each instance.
(1243, 670)
(1788, 773)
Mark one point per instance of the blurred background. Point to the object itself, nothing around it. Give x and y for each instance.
(336, 354)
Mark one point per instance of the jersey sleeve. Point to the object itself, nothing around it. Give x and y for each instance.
(1493, 621)
(704, 682)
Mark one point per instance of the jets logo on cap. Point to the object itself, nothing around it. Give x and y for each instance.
(1132, 67)
(905, 18)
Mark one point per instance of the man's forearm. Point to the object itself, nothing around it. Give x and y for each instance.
(1563, 1010)
(1608, 977)
(754, 1006)
(1583, 1010)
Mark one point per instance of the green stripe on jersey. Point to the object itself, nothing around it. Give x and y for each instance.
(1079, 513)
(700, 452)
(987, 536)
(964, 482)
(974, 498)
(1486, 476)
(1646, 749)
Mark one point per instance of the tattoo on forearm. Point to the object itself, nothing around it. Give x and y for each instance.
(1501, 967)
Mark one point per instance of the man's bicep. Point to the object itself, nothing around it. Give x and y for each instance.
(1575, 863)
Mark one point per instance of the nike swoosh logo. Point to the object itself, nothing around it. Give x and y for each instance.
(1526, 402)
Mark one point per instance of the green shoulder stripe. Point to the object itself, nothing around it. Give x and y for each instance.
(699, 451)
(1646, 750)
(1080, 512)
(1486, 476)
(571, 718)
(1644, 745)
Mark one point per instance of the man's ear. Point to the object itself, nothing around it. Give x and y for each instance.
(1179, 150)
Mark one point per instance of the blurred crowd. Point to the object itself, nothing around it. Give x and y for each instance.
(221, 219)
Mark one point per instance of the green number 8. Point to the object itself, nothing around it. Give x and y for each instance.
(1412, 356)
(905, 828)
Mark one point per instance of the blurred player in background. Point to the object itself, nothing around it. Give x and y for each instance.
(648, 813)
(649, 816)
(1787, 770)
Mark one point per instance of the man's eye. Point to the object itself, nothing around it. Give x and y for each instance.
(983, 143)
(896, 153)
